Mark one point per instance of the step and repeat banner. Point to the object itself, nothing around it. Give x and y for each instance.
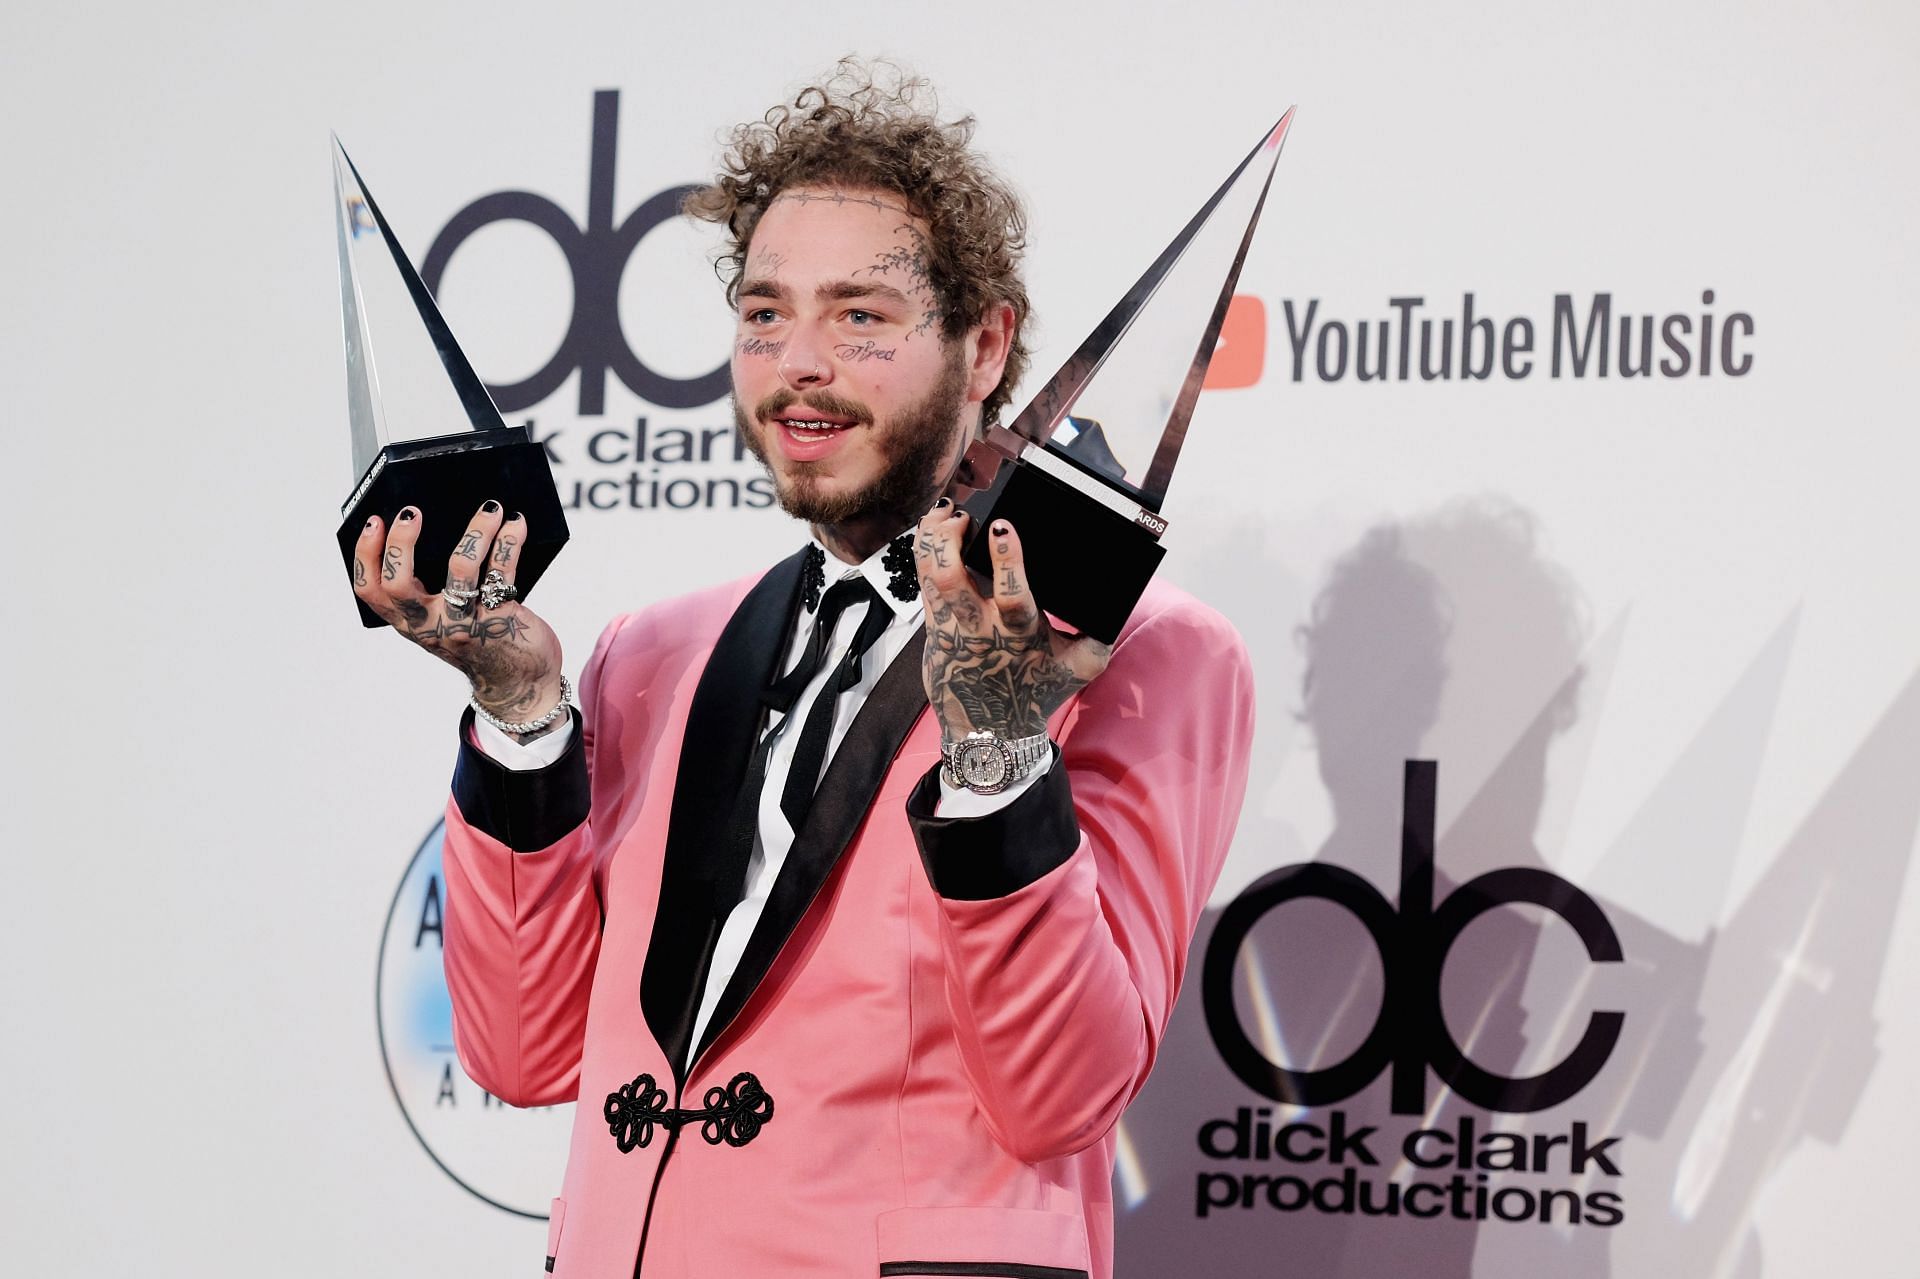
(1556, 465)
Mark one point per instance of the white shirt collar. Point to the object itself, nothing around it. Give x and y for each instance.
(878, 573)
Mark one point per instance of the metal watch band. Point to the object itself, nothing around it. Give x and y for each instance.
(1022, 755)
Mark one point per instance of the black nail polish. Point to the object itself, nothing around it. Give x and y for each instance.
(1001, 529)
(515, 516)
(942, 504)
(490, 506)
(369, 523)
(406, 514)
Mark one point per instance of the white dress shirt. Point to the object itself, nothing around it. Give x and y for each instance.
(774, 837)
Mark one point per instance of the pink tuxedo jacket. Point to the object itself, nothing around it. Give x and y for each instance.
(918, 1065)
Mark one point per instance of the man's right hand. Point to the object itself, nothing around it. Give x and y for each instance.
(508, 654)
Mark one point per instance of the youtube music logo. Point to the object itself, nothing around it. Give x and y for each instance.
(1240, 355)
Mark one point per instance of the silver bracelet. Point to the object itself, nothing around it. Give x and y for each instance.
(532, 725)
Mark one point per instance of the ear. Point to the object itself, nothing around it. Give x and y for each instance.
(987, 345)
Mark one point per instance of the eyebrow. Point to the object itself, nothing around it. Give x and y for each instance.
(762, 287)
(843, 290)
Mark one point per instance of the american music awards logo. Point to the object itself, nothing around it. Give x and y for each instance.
(503, 1156)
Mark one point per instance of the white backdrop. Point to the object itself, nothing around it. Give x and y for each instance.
(1658, 633)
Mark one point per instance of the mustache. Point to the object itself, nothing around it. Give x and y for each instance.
(819, 401)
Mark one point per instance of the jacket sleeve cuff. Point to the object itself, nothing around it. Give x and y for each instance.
(529, 809)
(981, 858)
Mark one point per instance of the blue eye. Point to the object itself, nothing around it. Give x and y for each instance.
(862, 317)
(762, 315)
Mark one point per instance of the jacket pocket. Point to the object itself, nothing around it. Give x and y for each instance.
(984, 1269)
(982, 1242)
(556, 1222)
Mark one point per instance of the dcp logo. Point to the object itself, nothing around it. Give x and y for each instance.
(597, 255)
(1410, 1032)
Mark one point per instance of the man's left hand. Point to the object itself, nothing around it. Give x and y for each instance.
(993, 663)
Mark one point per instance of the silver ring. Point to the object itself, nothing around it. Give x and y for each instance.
(496, 590)
(457, 597)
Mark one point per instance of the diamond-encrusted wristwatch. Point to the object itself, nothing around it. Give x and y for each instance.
(987, 764)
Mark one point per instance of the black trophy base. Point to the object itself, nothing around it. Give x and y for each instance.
(1087, 564)
(448, 477)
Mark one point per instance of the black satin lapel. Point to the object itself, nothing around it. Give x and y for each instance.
(852, 779)
(721, 726)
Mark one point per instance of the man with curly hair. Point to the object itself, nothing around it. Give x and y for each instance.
(829, 1006)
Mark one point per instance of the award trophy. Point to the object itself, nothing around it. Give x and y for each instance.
(403, 452)
(1086, 463)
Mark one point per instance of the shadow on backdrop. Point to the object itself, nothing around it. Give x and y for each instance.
(1450, 637)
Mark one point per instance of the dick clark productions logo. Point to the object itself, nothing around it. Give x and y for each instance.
(1409, 1034)
(597, 255)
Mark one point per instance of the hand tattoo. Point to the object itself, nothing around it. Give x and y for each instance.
(479, 630)
(390, 564)
(469, 545)
(1002, 683)
(503, 550)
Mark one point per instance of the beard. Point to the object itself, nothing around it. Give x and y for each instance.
(913, 450)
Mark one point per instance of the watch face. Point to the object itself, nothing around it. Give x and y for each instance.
(982, 764)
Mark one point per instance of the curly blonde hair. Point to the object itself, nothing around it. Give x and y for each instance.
(876, 127)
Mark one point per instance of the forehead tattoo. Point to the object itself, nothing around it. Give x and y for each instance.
(838, 197)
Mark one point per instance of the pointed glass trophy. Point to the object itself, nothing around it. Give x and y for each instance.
(425, 432)
(1086, 464)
